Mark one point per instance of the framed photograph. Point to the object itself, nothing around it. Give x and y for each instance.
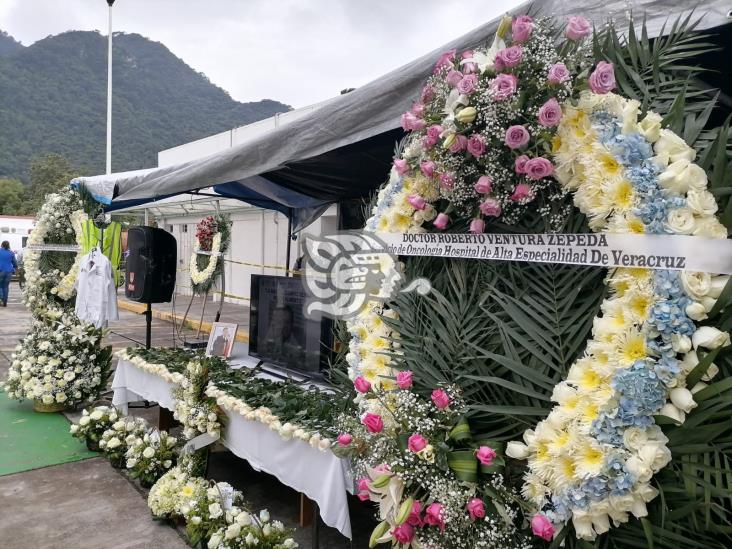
(221, 340)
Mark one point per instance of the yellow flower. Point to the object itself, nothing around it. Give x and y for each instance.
(187, 490)
(629, 347)
(588, 459)
(556, 144)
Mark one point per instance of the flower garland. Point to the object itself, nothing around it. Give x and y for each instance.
(212, 236)
(591, 460)
(160, 370)
(59, 220)
(264, 415)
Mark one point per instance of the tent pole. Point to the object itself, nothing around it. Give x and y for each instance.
(289, 240)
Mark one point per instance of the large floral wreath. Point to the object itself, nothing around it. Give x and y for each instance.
(505, 139)
(213, 236)
(61, 361)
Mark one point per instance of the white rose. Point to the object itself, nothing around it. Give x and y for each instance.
(264, 515)
(696, 311)
(681, 221)
(670, 411)
(680, 343)
(701, 202)
(681, 176)
(710, 338)
(696, 284)
(655, 455)
(74, 428)
(634, 438)
(214, 510)
(232, 531)
(650, 126)
(710, 227)
(244, 518)
(250, 539)
(148, 452)
(96, 415)
(214, 541)
(114, 442)
(61, 397)
(84, 420)
(683, 399)
(196, 520)
(671, 147)
(517, 450)
(324, 445)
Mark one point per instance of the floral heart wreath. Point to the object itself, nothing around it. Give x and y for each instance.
(517, 126)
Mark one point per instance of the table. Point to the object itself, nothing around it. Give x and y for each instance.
(321, 476)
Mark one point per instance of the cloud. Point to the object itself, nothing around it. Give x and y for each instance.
(293, 51)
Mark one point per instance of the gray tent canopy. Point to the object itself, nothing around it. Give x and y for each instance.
(344, 149)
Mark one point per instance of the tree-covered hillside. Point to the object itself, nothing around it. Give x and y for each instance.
(53, 100)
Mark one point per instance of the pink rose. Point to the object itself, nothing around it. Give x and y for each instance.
(522, 191)
(427, 95)
(441, 399)
(404, 379)
(542, 527)
(415, 517)
(521, 28)
(485, 455)
(520, 164)
(416, 443)
(483, 185)
(476, 508)
(503, 86)
(417, 109)
(447, 180)
(433, 515)
(467, 85)
(454, 77)
(490, 207)
(363, 487)
(558, 73)
(433, 136)
(404, 533)
(460, 143)
(410, 122)
(444, 61)
(517, 136)
(441, 221)
(550, 113)
(427, 167)
(476, 145)
(477, 226)
(373, 422)
(602, 79)
(344, 439)
(538, 168)
(469, 67)
(577, 27)
(401, 166)
(361, 385)
(417, 202)
(510, 57)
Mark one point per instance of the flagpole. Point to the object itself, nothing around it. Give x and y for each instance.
(109, 90)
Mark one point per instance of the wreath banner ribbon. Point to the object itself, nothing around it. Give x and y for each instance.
(649, 251)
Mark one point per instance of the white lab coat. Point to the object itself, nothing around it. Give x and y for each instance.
(96, 294)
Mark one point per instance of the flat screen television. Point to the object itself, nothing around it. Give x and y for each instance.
(279, 331)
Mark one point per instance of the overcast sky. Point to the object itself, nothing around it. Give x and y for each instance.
(295, 51)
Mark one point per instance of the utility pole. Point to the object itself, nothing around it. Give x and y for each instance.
(109, 90)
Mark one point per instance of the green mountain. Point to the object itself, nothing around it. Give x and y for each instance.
(53, 100)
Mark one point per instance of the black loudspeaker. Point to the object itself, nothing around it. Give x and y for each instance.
(151, 265)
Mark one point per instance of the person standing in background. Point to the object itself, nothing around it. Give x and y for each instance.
(8, 265)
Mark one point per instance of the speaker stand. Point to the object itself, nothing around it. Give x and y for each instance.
(148, 326)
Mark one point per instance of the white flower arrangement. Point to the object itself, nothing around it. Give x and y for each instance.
(264, 415)
(59, 361)
(202, 277)
(121, 434)
(150, 455)
(246, 529)
(197, 413)
(92, 425)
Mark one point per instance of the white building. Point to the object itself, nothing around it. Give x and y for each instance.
(259, 237)
(15, 229)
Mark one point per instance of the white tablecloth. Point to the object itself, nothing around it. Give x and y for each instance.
(321, 476)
